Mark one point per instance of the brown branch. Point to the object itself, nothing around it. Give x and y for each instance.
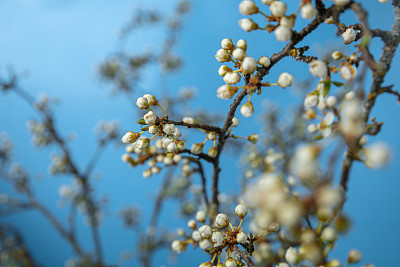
(208, 128)
(203, 182)
(391, 42)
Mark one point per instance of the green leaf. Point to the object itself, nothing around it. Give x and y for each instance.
(141, 121)
(327, 88)
(338, 84)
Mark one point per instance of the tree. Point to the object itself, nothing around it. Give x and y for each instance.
(288, 206)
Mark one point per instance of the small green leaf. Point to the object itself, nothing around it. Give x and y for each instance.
(141, 121)
(338, 84)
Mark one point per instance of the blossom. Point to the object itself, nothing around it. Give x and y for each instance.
(287, 21)
(143, 144)
(205, 244)
(311, 101)
(226, 91)
(178, 246)
(247, 24)
(217, 238)
(285, 80)
(318, 68)
(248, 7)
(189, 120)
(377, 155)
(150, 117)
(336, 55)
(348, 72)
(222, 56)
(205, 231)
(283, 33)
(308, 11)
(349, 35)
(222, 220)
(247, 109)
(230, 262)
(169, 129)
(153, 129)
(231, 77)
(172, 147)
(331, 101)
(249, 65)
(196, 235)
(151, 99)
(235, 122)
(142, 103)
(130, 137)
(278, 8)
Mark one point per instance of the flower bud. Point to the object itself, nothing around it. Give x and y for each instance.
(192, 224)
(242, 44)
(235, 122)
(278, 8)
(223, 70)
(147, 173)
(241, 211)
(230, 262)
(354, 256)
(249, 65)
(226, 91)
(189, 120)
(247, 109)
(285, 80)
(318, 68)
(169, 129)
(227, 44)
(283, 33)
(308, 11)
(130, 137)
(348, 72)
(142, 103)
(201, 216)
(292, 256)
(248, 25)
(253, 138)
(196, 148)
(205, 244)
(212, 136)
(153, 129)
(143, 144)
(239, 54)
(329, 235)
(206, 264)
(248, 7)
(222, 56)
(241, 238)
(311, 101)
(151, 99)
(172, 147)
(217, 238)
(336, 55)
(232, 77)
(222, 220)
(349, 35)
(331, 101)
(212, 152)
(196, 236)
(180, 144)
(264, 61)
(178, 246)
(150, 118)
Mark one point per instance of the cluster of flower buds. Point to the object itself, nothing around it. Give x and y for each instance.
(244, 65)
(216, 239)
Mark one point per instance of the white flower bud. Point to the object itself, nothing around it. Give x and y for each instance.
(311, 101)
(206, 264)
(223, 70)
(283, 264)
(160, 158)
(235, 122)
(239, 54)
(348, 72)
(153, 129)
(241, 211)
(283, 33)
(178, 246)
(287, 21)
(142, 103)
(285, 80)
(264, 61)
(329, 235)
(166, 141)
(377, 155)
(147, 173)
(205, 244)
(130, 137)
(155, 170)
(248, 25)
(151, 99)
(169, 129)
(242, 44)
(349, 35)
(241, 238)
(212, 152)
(196, 148)
(126, 157)
(341, 2)
(176, 158)
(331, 101)
(150, 118)
(312, 128)
(192, 224)
(278, 8)
(196, 235)
(247, 109)
(172, 147)
(222, 56)
(168, 161)
(188, 120)
(253, 138)
(383, 1)
(217, 238)
(205, 231)
(142, 144)
(350, 95)
(354, 256)
(177, 133)
(201, 216)
(249, 65)
(318, 68)
(329, 20)
(231, 77)
(226, 91)
(222, 220)
(230, 262)
(292, 256)
(212, 136)
(248, 7)
(226, 44)
(308, 11)
(337, 55)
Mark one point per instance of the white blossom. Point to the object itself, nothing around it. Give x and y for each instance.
(212, 152)
(205, 244)
(264, 61)
(150, 118)
(267, 2)
(283, 33)
(239, 54)
(188, 120)
(336, 55)
(142, 103)
(329, 235)
(196, 235)
(178, 246)
(231, 77)
(377, 155)
(222, 220)
(172, 147)
(222, 55)
(217, 238)
(248, 7)
(177, 133)
(230, 262)
(130, 137)
(153, 129)
(318, 68)
(235, 122)
(308, 11)
(241, 238)
(249, 65)
(142, 144)
(169, 129)
(226, 91)
(205, 231)
(150, 99)
(348, 72)
(349, 35)
(247, 24)
(331, 101)
(247, 109)
(201, 216)
(278, 8)
(126, 157)
(310, 101)
(285, 80)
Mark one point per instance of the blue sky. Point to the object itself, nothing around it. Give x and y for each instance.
(60, 43)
